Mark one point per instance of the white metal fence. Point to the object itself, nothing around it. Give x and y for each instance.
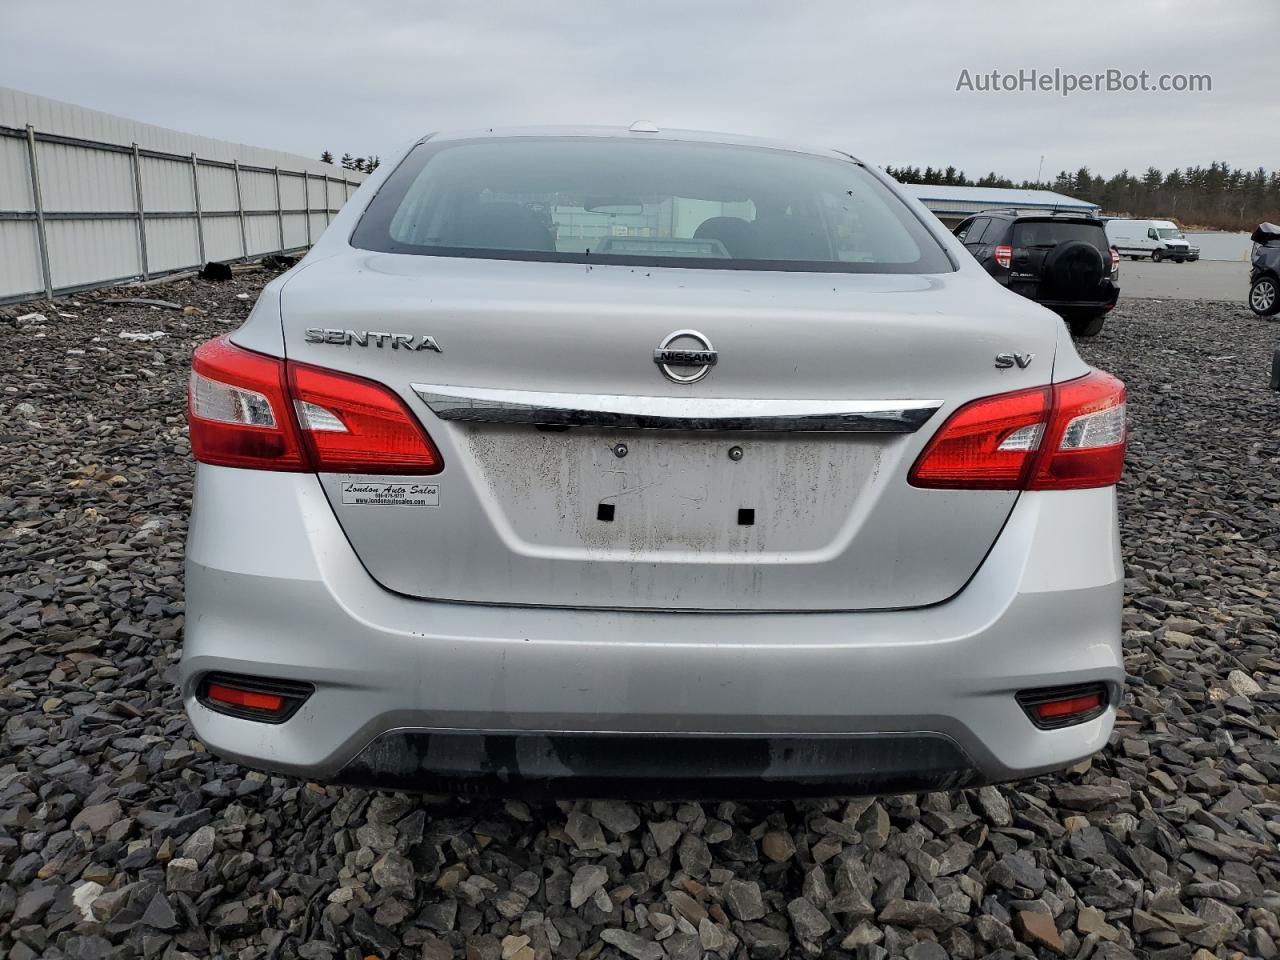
(88, 199)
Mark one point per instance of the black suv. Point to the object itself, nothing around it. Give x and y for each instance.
(1060, 260)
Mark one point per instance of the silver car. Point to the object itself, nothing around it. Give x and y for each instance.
(599, 461)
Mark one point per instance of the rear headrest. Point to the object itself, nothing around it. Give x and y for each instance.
(787, 237)
(499, 225)
(738, 236)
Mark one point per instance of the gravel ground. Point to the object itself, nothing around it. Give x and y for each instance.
(121, 837)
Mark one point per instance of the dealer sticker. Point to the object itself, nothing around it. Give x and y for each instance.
(394, 493)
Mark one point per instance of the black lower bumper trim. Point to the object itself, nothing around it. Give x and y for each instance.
(642, 766)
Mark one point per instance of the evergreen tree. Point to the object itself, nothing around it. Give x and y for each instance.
(326, 157)
(347, 162)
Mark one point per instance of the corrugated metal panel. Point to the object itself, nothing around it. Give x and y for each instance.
(258, 190)
(98, 177)
(75, 179)
(87, 251)
(292, 193)
(166, 186)
(315, 194)
(295, 231)
(222, 238)
(172, 244)
(217, 189)
(263, 232)
(20, 256)
(17, 109)
(15, 176)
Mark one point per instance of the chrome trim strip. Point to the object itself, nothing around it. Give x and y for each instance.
(484, 405)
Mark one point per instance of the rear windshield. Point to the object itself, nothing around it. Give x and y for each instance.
(1046, 233)
(647, 203)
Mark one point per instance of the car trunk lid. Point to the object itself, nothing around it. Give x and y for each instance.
(578, 474)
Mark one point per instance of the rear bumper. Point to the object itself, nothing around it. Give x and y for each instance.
(1108, 295)
(409, 691)
(655, 767)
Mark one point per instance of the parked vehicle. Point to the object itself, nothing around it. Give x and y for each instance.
(1264, 275)
(1062, 261)
(1157, 239)
(777, 493)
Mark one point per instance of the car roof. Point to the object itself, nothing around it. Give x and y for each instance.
(1045, 216)
(626, 133)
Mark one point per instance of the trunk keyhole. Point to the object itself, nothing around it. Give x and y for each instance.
(746, 516)
(604, 511)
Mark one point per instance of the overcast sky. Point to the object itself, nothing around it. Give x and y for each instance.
(877, 79)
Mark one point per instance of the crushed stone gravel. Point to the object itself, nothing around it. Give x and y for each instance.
(121, 837)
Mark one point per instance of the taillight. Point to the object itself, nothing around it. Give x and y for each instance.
(350, 425)
(1004, 255)
(258, 412)
(1083, 445)
(1115, 259)
(1065, 436)
(988, 444)
(237, 411)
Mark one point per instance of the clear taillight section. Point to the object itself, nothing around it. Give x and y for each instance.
(257, 412)
(1084, 441)
(1065, 436)
(237, 410)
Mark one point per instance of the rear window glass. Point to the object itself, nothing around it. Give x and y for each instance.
(650, 203)
(1042, 233)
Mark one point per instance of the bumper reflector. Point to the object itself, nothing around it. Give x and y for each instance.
(232, 697)
(1052, 707)
(264, 699)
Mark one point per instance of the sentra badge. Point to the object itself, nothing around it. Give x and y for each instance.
(372, 338)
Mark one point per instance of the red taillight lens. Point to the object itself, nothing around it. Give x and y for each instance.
(258, 412)
(271, 702)
(1004, 255)
(238, 411)
(350, 425)
(1115, 259)
(988, 444)
(1062, 437)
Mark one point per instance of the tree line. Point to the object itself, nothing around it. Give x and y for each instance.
(1218, 196)
(359, 164)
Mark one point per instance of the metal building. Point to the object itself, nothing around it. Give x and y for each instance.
(87, 199)
(953, 204)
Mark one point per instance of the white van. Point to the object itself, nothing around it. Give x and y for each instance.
(1157, 239)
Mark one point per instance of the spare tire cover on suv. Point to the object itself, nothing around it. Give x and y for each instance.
(1074, 269)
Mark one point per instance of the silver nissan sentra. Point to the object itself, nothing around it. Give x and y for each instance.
(649, 462)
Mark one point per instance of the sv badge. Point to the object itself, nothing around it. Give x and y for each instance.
(1021, 360)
